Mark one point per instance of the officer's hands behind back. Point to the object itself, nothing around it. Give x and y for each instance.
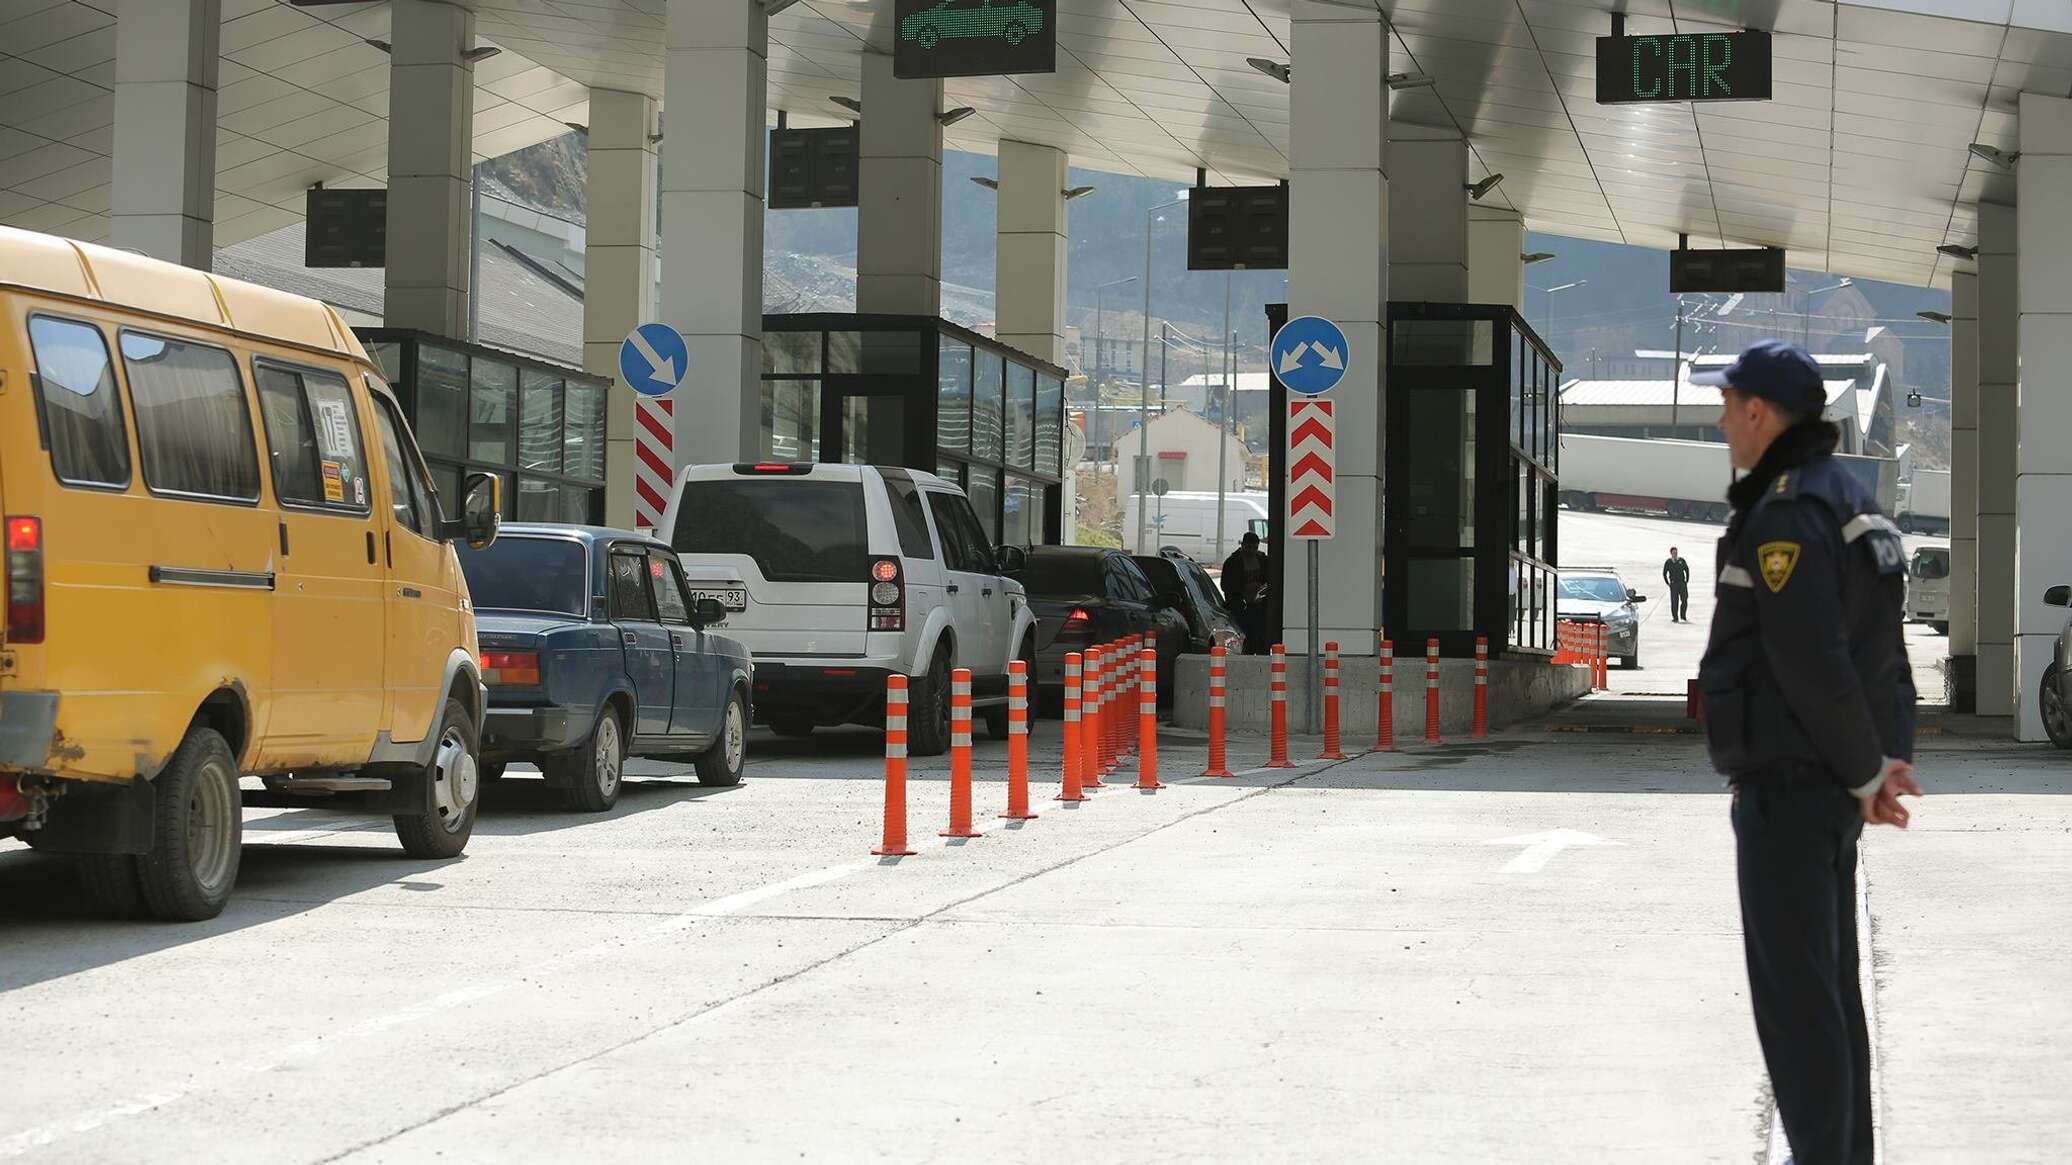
(1883, 807)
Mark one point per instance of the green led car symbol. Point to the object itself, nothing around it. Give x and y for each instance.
(1010, 20)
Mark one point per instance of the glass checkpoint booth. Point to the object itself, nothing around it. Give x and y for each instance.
(536, 424)
(924, 393)
(1469, 481)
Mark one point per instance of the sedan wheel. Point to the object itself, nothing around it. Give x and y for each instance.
(593, 774)
(2057, 715)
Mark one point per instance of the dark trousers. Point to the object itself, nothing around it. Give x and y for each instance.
(1679, 600)
(1796, 854)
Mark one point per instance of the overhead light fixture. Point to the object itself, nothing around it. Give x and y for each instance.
(480, 53)
(1481, 189)
(1993, 155)
(988, 183)
(1274, 69)
(849, 103)
(1072, 192)
(950, 117)
(1536, 257)
(1936, 317)
(577, 126)
(1913, 400)
(654, 138)
(383, 45)
(1957, 251)
(1412, 81)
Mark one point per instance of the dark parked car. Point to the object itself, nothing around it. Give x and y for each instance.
(1083, 595)
(1180, 582)
(593, 651)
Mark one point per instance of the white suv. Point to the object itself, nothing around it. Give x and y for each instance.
(837, 576)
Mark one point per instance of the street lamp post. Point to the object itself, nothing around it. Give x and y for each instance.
(1099, 333)
(1143, 390)
(1547, 316)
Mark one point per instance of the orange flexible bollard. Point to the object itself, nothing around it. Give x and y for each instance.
(1018, 742)
(1104, 743)
(1134, 662)
(1074, 769)
(1431, 691)
(894, 844)
(1147, 720)
(1385, 714)
(1093, 750)
(1333, 748)
(1277, 755)
(1601, 674)
(1219, 764)
(1481, 685)
(960, 756)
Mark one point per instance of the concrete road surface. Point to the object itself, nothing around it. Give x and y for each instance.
(1637, 546)
(1519, 949)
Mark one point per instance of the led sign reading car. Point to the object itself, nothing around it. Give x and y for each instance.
(974, 38)
(1688, 66)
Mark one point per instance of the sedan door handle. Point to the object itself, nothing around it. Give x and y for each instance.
(630, 638)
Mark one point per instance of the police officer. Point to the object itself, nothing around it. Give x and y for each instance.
(1809, 712)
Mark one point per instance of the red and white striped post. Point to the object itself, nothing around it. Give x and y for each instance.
(1277, 755)
(1431, 691)
(1219, 763)
(1074, 769)
(960, 756)
(894, 844)
(1147, 720)
(1481, 685)
(1018, 742)
(1333, 749)
(1385, 714)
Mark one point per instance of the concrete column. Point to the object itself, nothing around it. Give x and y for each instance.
(431, 167)
(1496, 256)
(1964, 471)
(899, 211)
(713, 97)
(1338, 243)
(2043, 459)
(1029, 279)
(1427, 215)
(619, 268)
(1998, 365)
(163, 199)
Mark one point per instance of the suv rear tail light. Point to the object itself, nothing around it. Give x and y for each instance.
(24, 580)
(515, 669)
(1078, 625)
(887, 597)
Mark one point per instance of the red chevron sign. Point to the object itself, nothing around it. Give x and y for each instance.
(1312, 496)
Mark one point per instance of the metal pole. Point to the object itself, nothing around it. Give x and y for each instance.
(1676, 372)
(1143, 393)
(1316, 651)
(1223, 430)
(1099, 331)
(1165, 348)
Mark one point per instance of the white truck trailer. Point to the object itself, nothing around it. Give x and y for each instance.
(1187, 522)
(1677, 479)
(1926, 507)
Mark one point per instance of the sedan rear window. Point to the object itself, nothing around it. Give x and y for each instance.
(796, 531)
(1595, 588)
(1064, 574)
(518, 573)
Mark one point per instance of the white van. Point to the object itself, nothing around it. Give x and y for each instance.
(1928, 587)
(837, 576)
(1187, 521)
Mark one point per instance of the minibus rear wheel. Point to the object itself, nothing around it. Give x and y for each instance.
(197, 831)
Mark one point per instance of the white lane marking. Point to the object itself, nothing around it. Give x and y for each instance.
(1540, 848)
(22, 1142)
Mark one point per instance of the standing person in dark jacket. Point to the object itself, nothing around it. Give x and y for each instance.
(1244, 590)
(1809, 711)
(1677, 573)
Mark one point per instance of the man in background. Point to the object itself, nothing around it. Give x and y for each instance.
(1244, 591)
(1677, 573)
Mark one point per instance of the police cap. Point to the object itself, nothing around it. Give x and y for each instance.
(1781, 373)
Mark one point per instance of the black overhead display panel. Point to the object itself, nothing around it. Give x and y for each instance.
(345, 228)
(1686, 66)
(974, 38)
(1243, 228)
(813, 167)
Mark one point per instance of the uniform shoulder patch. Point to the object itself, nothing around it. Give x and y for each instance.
(1777, 560)
(1783, 482)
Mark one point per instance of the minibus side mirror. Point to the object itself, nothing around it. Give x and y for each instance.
(481, 512)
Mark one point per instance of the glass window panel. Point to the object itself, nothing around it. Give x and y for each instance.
(873, 430)
(1441, 469)
(791, 353)
(194, 426)
(1445, 343)
(536, 501)
(341, 460)
(953, 398)
(1441, 594)
(950, 471)
(987, 388)
(582, 437)
(894, 353)
(1021, 519)
(442, 400)
(791, 420)
(492, 406)
(389, 358)
(984, 491)
(539, 422)
(407, 499)
(670, 600)
(1021, 416)
(82, 411)
(1050, 425)
(1519, 372)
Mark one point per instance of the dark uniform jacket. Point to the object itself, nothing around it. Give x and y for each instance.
(1806, 673)
(1676, 572)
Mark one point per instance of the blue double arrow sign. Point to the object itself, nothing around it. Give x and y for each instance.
(1310, 354)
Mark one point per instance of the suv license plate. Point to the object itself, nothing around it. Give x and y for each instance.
(732, 598)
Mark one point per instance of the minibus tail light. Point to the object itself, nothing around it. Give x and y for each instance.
(24, 580)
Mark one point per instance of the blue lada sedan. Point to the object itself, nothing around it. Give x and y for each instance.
(594, 650)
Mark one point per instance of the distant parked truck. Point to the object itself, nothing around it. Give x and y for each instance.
(1677, 479)
(1187, 522)
(1926, 509)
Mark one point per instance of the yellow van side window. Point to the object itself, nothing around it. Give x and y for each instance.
(194, 428)
(82, 413)
(313, 433)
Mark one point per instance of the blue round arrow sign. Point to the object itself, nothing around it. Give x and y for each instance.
(1310, 354)
(653, 359)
